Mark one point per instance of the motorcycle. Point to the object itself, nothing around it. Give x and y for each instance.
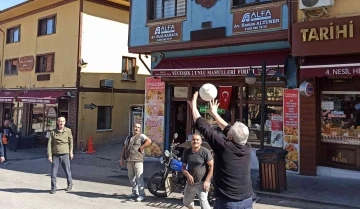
(164, 182)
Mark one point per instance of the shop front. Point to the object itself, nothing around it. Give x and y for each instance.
(37, 113)
(330, 118)
(10, 109)
(239, 101)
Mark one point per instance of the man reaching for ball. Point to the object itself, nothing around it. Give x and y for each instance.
(232, 182)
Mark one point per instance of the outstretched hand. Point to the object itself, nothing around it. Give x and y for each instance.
(193, 102)
(214, 104)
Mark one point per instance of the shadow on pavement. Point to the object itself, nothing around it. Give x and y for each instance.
(26, 190)
(169, 203)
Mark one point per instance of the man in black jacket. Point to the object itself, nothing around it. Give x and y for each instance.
(232, 182)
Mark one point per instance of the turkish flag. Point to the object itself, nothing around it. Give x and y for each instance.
(225, 96)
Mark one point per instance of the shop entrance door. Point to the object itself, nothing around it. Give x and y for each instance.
(178, 121)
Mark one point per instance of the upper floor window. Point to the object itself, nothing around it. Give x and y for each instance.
(248, 2)
(45, 63)
(11, 67)
(160, 9)
(47, 26)
(128, 68)
(13, 35)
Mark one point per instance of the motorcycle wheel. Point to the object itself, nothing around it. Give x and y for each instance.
(154, 187)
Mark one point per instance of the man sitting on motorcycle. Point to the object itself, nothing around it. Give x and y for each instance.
(198, 169)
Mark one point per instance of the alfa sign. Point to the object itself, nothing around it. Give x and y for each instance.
(165, 33)
(257, 20)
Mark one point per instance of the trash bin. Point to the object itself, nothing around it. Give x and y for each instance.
(272, 168)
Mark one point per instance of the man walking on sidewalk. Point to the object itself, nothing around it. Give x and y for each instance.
(133, 154)
(60, 151)
(6, 132)
(199, 163)
(232, 182)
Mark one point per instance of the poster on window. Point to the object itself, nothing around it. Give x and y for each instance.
(291, 128)
(154, 115)
(276, 128)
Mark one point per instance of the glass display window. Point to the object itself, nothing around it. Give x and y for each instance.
(43, 118)
(252, 118)
(250, 114)
(340, 117)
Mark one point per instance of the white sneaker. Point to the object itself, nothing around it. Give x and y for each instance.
(140, 198)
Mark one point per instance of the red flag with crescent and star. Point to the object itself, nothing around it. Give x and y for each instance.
(225, 96)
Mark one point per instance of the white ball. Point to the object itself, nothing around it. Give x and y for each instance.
(208, 92)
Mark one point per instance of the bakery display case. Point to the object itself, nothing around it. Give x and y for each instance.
(340, 129)
(340, 118)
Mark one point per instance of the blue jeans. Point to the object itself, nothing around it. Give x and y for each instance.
(221, 203)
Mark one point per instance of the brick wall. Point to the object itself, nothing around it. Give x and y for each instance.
(71, 121)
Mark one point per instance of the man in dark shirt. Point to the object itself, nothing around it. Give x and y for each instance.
(6, 131)
(232, 183)
(199, 163)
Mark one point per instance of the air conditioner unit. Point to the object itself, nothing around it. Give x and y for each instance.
(107, 83)
(315, 4)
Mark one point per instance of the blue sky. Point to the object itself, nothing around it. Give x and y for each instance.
(8, 3)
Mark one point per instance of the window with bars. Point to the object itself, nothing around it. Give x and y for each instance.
(47, 26)
(45, 63)
(128, 68)
(161, 9)
(13, 35)
(11, 67)
(237, 3)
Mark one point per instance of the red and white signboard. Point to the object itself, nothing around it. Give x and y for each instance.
(291, 112)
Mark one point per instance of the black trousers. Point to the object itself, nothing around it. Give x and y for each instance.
(64, 160)
(13, 143)
(5, 151)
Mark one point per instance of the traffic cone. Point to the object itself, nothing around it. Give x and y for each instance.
(90, 149)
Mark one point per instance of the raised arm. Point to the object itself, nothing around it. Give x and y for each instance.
(211, 136)
(213, 111)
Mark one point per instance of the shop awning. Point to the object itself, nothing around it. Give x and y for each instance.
(9, 96)
(337, 66)
(41, 97)
(221, 65)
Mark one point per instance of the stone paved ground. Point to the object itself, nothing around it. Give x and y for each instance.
(106, 163)
(25, 185)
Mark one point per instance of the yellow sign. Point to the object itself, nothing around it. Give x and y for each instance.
(328, 33)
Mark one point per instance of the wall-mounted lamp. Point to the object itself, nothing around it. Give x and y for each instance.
(82, 63)
(146, 56)
(250, 78)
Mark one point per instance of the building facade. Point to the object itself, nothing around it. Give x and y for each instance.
(325, 41)
(218, 42)
(52, 68)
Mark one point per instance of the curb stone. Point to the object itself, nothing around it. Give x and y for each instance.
(274, 194)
